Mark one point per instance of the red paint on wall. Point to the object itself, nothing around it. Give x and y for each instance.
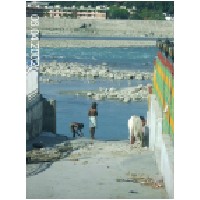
(166, 63)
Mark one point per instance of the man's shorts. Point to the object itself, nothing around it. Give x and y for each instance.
(92, 121)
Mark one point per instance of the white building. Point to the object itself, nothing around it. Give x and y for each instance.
(168, 17)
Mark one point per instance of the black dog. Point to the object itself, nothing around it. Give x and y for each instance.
(76, 128)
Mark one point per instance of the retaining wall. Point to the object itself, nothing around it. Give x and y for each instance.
(34, 118)
(32, 85)
(161, 144)
(40, 116)
(40, 113)
(163, 88)
(123, 28)
(49, 116)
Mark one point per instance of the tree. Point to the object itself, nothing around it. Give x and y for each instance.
(117, 13)
(152, 14)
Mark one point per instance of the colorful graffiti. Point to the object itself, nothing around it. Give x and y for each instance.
(163, 87)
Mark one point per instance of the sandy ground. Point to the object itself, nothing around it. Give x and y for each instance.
(94, 171)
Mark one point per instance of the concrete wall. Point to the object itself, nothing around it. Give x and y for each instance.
(34, 105)
(31, 82)
(34, 117)
(126, 28)
(161, 144)
(40, 113)
(40, 116)
(49, 116)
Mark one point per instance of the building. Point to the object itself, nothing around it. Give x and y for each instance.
(123, 7)
(82, 12)
(168, 17)
(37, 4)
(98, 12)
(55, 11)
(35, 10)
(36, 7)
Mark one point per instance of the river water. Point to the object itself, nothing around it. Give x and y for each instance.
(113, 115)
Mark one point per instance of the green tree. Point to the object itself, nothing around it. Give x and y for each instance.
(136, 16)
(147, 14)
(117, 13)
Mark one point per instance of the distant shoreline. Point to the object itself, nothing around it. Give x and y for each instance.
(103, 28)
(93, 43)
(66, 37)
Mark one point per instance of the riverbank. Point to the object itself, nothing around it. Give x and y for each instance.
(102, 169)
(104, 28)
(55, 43)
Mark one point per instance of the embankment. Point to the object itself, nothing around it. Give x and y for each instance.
(147, 29)
(103, 28)
(93, 43)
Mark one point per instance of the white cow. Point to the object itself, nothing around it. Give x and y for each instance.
(135, 127)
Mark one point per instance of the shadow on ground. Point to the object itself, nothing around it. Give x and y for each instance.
(35, 169)
(49, 140)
